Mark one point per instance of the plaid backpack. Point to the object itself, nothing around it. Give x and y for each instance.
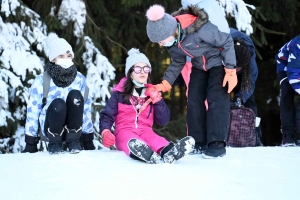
(241, 127)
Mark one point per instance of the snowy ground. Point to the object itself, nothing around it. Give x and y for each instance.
(244, 173)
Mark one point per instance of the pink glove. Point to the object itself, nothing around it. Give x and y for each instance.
(153, 93)
(108, 139)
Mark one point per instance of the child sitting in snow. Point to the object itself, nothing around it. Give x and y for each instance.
(134, 108)
(64, 116)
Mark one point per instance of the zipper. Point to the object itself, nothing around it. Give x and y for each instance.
(204, 63)
(179, 44)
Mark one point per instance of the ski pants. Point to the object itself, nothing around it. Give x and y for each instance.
(61, 113)
(288, 114)
(211, 125)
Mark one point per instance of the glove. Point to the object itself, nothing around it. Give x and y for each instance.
(108, 139)
(152, 92)
(31, 144)
(87, 141)
(231, 78)
(164, 86)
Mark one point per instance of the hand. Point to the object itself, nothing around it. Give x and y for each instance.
(108, 139)
(164, 86)
(153, 93)
(231, 78)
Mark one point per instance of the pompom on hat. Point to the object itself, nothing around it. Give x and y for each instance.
(56, 46)
(135, 56)
(160, 25)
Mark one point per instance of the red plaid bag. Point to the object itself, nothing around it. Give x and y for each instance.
(241, 127)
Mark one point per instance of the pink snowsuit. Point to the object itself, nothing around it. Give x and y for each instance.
(129, 124)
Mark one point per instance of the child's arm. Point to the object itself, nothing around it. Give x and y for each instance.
(293, 66)
(109, 112)
(161, 113)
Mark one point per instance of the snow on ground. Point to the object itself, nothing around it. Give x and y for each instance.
(244, 173)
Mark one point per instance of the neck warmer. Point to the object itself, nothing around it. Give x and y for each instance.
(62, 77)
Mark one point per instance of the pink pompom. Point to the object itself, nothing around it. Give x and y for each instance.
(155, 12)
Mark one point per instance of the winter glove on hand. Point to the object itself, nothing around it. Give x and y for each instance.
(31, 144)
(231, 78)
(152, 92)
(108, 139)
(164, 86)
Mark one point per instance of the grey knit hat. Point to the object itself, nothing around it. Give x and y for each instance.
(160, 25)
(56, 46)
(135, 56)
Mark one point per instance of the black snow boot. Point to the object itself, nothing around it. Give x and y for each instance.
(173, 152)
(72, 139)
(199, 148)
(215, 150)
(55, 142)
(87, 141)
(288, 140)
(141, 151)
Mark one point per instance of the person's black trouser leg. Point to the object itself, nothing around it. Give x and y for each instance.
(287, 107)
(196, 111)
(218, 106)
(211, 125)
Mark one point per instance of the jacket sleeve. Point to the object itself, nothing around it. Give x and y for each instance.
(109, 112)
(210, 34)
(87, 125)
(34, 107)
(161, 113)
(293, 66)
(175, 68)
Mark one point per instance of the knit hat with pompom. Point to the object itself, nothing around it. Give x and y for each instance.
(56, 46)
(160, 25)
(135, 56)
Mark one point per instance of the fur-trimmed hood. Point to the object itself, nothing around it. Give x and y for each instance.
(192, 12)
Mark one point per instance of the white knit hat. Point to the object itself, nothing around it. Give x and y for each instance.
(57, 46)
(135, 56)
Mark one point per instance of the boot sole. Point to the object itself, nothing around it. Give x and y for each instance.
(143, 151)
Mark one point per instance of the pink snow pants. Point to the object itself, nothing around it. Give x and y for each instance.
(154, 141)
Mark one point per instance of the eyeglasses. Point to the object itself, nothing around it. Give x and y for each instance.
(138, 69)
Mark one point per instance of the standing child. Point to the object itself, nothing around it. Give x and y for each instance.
(134, 109)
(288, 70)
(189, 33)
(247, 72)
(64, 116)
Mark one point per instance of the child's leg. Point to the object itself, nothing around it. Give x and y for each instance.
(196, 110)
(155, 142)
(287, 108)
(218, 106)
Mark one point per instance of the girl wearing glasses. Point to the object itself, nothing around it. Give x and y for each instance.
(134, 108)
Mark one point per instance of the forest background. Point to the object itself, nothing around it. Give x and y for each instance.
(116, 26)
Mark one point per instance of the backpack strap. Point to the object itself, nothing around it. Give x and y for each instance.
(46, 87)
(86, 93)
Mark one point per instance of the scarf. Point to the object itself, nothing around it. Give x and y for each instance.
(61, 77)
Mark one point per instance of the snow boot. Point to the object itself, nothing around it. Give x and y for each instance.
(72, 140)
(139, 150)
(173, 152)
(215, 150)
(199, 148)
(288, 140)
(55, 142)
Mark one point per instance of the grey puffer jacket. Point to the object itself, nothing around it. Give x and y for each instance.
(202, 41)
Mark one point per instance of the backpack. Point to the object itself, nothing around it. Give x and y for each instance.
(46, 87)
(241, 127)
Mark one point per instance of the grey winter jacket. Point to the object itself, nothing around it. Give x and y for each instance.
(202, 41)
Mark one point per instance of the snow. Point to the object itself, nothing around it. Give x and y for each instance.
(244, 173)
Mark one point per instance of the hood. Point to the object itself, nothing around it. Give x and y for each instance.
(120, 86)
(191, 18)
(186, 3)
